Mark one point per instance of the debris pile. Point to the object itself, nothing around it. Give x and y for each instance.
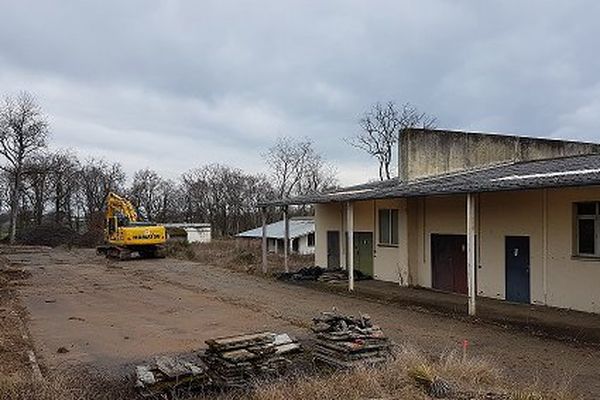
(303, 274)
(168, 374)
(340, 275)
(344, 341)
(321, 275)
(236, 361)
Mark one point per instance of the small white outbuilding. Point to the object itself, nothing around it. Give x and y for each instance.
(302, 235)
(194, 233)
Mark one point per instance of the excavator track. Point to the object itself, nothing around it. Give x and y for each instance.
(123, 253)
(115, 252)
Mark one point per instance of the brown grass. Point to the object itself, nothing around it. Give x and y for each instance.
(73, 385)
(237, 254)
(14, 338)
(471, 378)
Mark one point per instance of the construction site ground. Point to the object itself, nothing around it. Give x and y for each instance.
(81, 309)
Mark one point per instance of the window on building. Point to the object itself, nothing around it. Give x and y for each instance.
(388, 227)
(311, 240)
(587, 229)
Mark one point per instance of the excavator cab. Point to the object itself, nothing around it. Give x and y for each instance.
(111, 224)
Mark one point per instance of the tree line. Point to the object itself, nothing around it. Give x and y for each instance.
(59, 188)
(41, 186)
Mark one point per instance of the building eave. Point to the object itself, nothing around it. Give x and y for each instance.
(540, 174)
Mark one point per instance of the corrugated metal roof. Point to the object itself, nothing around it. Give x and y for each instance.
(550, 173)
(298, 228)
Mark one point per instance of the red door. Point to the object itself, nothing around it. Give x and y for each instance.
(449, 263)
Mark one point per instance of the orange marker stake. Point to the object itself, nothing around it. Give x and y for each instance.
(465, 345)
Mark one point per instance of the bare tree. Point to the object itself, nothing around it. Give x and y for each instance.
(65, 171)
(381, 130)
(23, 131)
(5, 185)
(318, 175)
(297, 168)
(98, 178)
(224, 196)
(145, 192)
(36, 183)
(170, 201)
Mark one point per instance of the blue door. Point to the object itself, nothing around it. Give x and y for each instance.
(517, 269)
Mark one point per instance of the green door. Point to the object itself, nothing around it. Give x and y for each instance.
(363, 252)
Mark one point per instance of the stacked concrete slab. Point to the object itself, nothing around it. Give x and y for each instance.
(344, 341)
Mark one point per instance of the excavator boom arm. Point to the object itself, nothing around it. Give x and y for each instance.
(116, 203)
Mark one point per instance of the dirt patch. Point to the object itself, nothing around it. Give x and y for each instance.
(113, 318)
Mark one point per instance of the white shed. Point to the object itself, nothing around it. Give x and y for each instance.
(302, 235)
(195, 233)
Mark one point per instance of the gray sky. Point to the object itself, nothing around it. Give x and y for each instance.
(172, 85)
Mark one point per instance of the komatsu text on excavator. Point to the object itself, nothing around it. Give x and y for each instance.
(125, 234)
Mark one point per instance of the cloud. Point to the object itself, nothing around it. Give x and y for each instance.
(173, 84)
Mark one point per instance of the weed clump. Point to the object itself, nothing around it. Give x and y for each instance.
(240, 255)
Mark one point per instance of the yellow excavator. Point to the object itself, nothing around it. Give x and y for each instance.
(125, 234)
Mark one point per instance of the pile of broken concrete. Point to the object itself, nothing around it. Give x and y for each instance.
(345, 341)
(238, 361)
(228, 362)
(169, 374)
(241, 361)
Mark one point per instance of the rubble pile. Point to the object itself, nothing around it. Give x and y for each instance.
(236, 361)
(344, 341)
(341, 276)
(303, 274)
(321, 275)
(167, 374)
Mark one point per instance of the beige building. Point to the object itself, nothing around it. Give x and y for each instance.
(504, 217)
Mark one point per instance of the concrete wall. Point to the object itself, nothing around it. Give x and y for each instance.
(415, 238)
(443, 215)
(557, 277)
(430, 152)
(498, 220)
(328, 217)
(572, 282)
(332, 217)
(390, 263)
